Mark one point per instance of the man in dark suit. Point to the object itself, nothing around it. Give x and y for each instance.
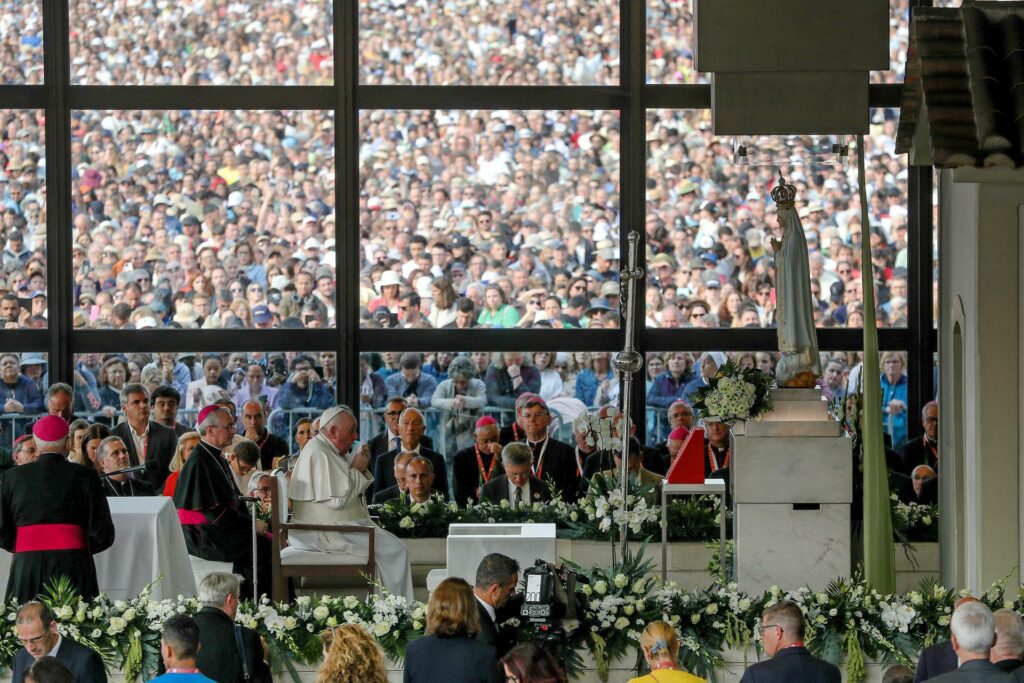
(517, 485)
(399, 490)
(149, 443)
(939, 658)
(782, 635)
(37, 630)
(389, 439)
(974, 633)
(411, 427)
(552, 459)
(924, 449)
(254, 419)
(1008, 652)
(496, 579)
(220, 656)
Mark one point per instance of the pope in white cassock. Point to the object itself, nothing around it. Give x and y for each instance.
(327, 487)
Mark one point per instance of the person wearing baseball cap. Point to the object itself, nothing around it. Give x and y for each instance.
(217, 526)
(328, 486)
(53, 517)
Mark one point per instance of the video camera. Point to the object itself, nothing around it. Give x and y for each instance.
(550, 596)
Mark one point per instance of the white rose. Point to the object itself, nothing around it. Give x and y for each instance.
(332, 622)
(621, 580)
(600, 587)
(320, 613)
(65, 612)
(117, 624)
(406, 523)
(744, 604)
(695, 618)
(712, 608)
(303, 600)
(96, 633)
(822, 599)
(628, 609)
(350, 602)
(621, 623)
(128, 615)
(290, 623)
(381, 628)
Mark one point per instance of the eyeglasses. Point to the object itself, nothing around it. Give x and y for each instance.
(265, 489)
(761, 628)
(393, 413)
(31, 641)
(698, 314)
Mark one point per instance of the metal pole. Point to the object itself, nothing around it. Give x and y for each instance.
(627, 362)
(255, 574)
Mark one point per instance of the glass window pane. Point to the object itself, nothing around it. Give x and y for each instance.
(568, 382)
(290, 385)
(200, 218)
(526, 201)
(23, 286)
(21, 42)
(670, 43)
(271, 42)
(709, 223)
(504, 43)
(23, 383)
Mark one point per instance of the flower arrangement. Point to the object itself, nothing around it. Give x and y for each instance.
(734, 394)
(846, 623)
(601, 432)
(914, 521)
(594, 517)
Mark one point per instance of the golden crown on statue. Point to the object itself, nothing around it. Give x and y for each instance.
(784, 195)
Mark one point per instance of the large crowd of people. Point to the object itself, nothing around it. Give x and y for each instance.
(498, 218)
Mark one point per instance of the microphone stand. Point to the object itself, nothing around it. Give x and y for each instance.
(126, 470)
(253, 501)
(628, 362)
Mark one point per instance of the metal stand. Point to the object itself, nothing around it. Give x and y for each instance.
(715, 487)
(628, 362)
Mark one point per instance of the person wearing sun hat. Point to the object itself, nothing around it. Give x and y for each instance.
(53, 517)
(217, 526)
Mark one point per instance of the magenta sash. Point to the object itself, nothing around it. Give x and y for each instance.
(38, 537)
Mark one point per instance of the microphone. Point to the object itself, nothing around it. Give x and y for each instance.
(127, 470)
(249, 499)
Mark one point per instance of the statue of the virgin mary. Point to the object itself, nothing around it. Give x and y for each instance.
(800, 364)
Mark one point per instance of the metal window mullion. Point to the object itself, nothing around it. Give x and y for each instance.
(174, 97)
(57, 133)
(346, 191)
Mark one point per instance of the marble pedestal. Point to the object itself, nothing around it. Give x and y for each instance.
(792, 478)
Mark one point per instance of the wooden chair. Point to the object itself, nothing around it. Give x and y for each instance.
(289, 562)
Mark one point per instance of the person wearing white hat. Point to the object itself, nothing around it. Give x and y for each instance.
(327, 487)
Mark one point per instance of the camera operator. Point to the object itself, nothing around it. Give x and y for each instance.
(496, 601)
(304, 389)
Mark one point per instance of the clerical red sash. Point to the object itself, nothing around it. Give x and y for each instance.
(37, 537)
(191, 517)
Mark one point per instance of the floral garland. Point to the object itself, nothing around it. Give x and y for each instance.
(846, 623)
(596, 517)
(734, 393)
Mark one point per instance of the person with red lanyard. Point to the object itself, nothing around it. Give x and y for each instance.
(53, 517)
(717, 452)
(476, 465)
(179, 645)
(516, 431)
(552, 458)
(148, 443)
(782, 637)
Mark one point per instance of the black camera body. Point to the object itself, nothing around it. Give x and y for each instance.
(550, 594)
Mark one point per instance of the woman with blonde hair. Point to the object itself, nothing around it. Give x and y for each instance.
(351, 655)
(660, 647)
(449, 650)
(186, 442)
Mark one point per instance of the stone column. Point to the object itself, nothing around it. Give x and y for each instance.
(980, 349)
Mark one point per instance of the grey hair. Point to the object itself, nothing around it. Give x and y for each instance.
(495, 568)
(788, 615)
(104, 448)
(1009, 633)
(974, 627)
(59, 387)
(420, 458)
(462, 367)
(208, 422)
(133, 388)
(215, 588)
(405, 457)
(516, 453)
(408, 411)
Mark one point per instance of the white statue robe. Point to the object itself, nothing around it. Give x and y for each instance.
(798, 340)
(326, 489)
